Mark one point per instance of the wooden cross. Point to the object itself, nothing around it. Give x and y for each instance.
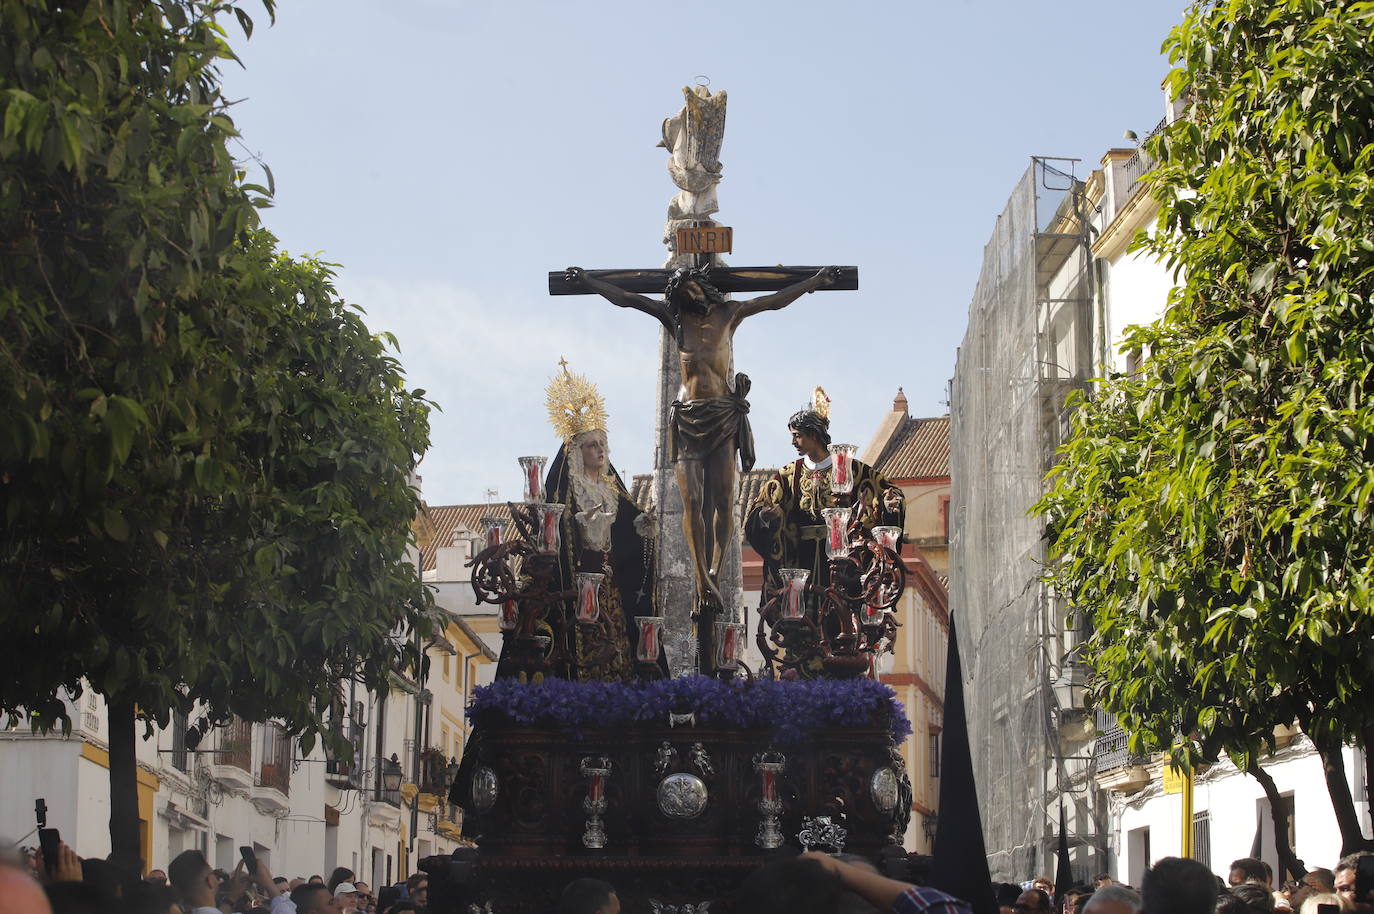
(726, 279)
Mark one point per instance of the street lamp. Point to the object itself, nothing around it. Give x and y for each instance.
(451, 772)
(930, 824)
(391, 775)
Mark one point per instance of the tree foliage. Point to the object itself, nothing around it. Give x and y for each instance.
(205, 456)
(1212, 512)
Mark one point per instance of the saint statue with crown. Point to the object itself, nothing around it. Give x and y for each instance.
(604, 533)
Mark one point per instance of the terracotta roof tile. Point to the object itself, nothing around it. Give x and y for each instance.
(919, 449)
(749, 486)
(436, 524)
(641, 488)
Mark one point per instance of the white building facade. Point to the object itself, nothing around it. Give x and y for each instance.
(1231, 813)
(377, 813)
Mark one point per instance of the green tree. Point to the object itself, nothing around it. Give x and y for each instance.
(1212, 512)
(205, 456)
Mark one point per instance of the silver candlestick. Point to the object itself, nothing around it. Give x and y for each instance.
(769, 765)
(596, 771)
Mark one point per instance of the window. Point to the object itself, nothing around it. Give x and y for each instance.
(935, 755)
(1202, 838)
(446, 668)
(179, 754)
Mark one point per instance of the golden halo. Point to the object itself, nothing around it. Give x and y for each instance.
(574, 404)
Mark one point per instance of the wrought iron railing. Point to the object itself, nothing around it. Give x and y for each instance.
(276, 758)
(434, 773)
(1111, 748)
(180, 758)
(1137, 166)
(236, 745)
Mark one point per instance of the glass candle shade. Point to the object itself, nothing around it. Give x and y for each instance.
(510, 615)
(842, 467)
(596, 770)
(550, 516)
(533, 470)
(650, 634)
(769, 769)
(836, 531)
(589, 595)
(793, 591)
(729, 644)
(870, 615)
(887, 537)
(491, 530)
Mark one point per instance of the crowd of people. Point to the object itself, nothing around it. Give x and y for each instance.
(815, 883)
(810, 883)
(190, 885)
(1248, 889)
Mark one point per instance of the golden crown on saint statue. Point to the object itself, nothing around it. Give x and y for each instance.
(575, 406)
(820, 402)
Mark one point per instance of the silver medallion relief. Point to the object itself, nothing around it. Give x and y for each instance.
(883, 788)
(682, 796)
(485, 788)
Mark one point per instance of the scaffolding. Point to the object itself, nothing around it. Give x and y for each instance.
(1032, 335)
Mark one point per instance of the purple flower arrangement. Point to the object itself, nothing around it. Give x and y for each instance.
(791, 711)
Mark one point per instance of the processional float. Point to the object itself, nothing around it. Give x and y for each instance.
(674, 787)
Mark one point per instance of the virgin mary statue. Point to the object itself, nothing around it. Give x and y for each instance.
(604, 532)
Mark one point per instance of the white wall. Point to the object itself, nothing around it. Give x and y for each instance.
(1137, 291)
(1233, 798)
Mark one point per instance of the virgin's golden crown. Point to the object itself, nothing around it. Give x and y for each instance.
(575, 406)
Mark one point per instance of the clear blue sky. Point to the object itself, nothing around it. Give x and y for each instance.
(449, 153)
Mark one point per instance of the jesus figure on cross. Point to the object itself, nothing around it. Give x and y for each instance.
(709, 420)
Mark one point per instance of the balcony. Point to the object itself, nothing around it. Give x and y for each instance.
(234, 755)
(341, 774)
(1118, 768)
(342, 769)
(435, 773)
(273, 783)
(1137, 166)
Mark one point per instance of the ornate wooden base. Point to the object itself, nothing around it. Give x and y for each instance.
(678, 819)
(676, 791)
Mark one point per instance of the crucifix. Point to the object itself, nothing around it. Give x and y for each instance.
(706, 423)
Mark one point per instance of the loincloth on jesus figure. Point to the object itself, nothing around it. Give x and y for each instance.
(702, 427)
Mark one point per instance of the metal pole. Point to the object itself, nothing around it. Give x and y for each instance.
(1186, 846)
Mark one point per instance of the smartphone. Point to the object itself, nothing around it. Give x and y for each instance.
(48, 840)
(250, 859)
(1328, 909)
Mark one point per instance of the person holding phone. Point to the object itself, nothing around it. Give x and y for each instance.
(197, 883)
(58, 863)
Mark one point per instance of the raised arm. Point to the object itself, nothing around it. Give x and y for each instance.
(618, 296)
(824, 278)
